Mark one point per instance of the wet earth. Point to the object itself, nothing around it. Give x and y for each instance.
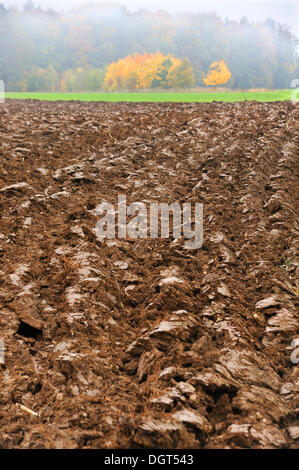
(142, 343)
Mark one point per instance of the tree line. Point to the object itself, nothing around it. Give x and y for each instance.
(43, 50)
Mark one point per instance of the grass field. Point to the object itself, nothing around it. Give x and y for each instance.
(271, 95)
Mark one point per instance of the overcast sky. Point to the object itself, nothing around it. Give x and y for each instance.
(284, 11)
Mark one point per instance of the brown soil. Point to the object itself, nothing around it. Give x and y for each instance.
(105, 353)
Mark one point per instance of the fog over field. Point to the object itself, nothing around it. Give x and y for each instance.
(283, 11)
(75, 46)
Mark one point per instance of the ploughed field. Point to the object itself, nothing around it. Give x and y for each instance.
(127, 343)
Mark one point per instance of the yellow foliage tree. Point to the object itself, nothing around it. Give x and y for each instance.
(141, 71)
(218, 74)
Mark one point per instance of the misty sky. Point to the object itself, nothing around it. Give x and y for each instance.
(283, 11)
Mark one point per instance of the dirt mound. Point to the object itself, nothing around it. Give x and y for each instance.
(142, 343)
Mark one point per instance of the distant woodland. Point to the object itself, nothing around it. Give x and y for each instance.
(104, 47)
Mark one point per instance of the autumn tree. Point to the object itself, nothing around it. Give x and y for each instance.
(148, 71)
(218, 74)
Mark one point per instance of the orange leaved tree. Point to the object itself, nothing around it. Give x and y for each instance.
(218, 74)
(138, 71)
